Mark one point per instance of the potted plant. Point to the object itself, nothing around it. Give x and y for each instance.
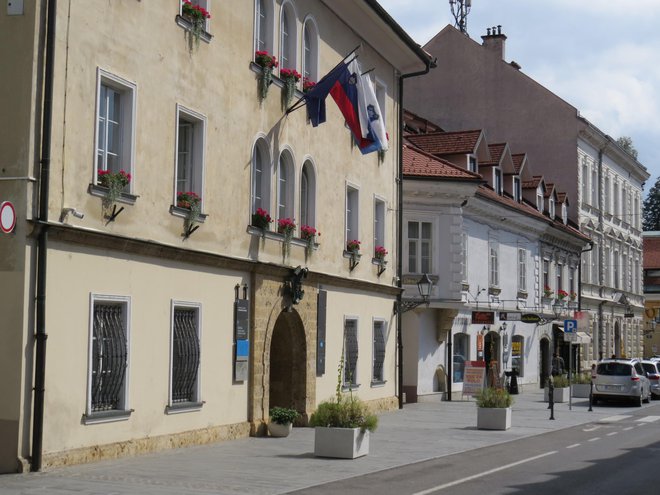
(115, 182)
(286, 227)
(494, 409)
(197, 16)
(582, 385)
(308, 84)
(281, 421)
(342, 425)
(353, 249)
(267, 63)
(353, 246)
(261, 219)
(290, 78)
(573, 302)
(562, 294)
(547, 294)
(561, 389)
(308, 234)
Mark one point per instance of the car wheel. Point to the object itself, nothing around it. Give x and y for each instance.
(639, 400)
(648, 398)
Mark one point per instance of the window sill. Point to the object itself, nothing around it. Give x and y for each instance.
(183, 407)
(187, 25)
(347, 388)
(377, 384)
(269, 234)
(522, 294)
(185, 212)
(277, 81)
(494, 291)
(102, 192)
(106, 416)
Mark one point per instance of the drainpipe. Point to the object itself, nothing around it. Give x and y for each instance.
(399, 239)
(40, 334)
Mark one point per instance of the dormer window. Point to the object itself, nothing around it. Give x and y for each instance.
(472, 163)
(517, 191)
(551, 207)
(497, 180)
(564, 213)
(539, 199)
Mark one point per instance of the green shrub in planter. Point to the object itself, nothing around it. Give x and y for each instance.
(560, 381)
(344, 412)
(582, 378)
(283, 415)
(492, 397)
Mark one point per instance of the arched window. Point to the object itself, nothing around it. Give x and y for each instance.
(285, 186)
(308, 195)
(260, 176)
(287, 37)
(263, 28)
(310, 51)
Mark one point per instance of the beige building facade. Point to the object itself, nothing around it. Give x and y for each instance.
(156, 311)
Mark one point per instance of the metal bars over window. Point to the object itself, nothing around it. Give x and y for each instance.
(350, 353)
(109, 357)
(379, 351)
(185, 356)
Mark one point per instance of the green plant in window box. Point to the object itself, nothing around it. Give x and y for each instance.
(267, 62)
(116, 182)
(290, 78)
(191, 201)
(197, 16)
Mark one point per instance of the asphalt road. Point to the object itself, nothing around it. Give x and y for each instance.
(619, 454)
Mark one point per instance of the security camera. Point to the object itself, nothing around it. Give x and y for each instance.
(73, 211)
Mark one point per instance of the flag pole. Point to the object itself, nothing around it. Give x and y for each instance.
(298, 105)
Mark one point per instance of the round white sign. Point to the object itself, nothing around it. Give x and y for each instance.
(7, 217)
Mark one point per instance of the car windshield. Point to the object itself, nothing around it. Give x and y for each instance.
(650, 368)
(618, 369)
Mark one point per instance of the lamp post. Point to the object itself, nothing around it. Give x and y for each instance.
(424, 286)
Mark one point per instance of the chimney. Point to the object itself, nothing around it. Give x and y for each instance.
(494, 41)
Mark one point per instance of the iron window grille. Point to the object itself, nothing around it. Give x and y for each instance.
(350, 353)
(379, 351)
(109, 357)
(185, 356)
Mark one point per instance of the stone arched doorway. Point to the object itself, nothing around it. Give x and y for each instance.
(544, 353)
(617, 339)
(492, 358)
(288, 363)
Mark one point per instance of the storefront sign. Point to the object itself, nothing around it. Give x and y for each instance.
(530, 318)
(483, 317)
(473, 379)
(510, 316)
(516, 348)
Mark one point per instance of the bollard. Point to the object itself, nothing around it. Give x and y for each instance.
(591, 395)
(551, 398)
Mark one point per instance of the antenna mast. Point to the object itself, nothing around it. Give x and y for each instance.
(460, 10)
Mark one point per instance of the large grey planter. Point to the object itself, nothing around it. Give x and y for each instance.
(493, 418)
(581, 390)
(560, 394)
(342, 443)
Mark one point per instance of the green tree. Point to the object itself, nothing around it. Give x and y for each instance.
(651, 213)
(627, 144)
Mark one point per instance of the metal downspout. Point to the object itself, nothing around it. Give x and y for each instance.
(40, 334)
(399, 237)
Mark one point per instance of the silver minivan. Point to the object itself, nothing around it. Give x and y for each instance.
(621, 379)
(652, 369)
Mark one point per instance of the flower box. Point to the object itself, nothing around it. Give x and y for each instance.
(341, 443)
(560, 394)
(493, 418)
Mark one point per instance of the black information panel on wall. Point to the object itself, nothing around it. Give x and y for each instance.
(241, 342)
(320, 332)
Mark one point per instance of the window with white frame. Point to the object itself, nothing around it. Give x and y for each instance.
(635, 214)
(310, 50)
(115, 128)
(615, 195)
(615, 270)
(607, 266)
(539, 198)
(585, 181)
(559, 274)
(497, 180)
(595, 260)
(546, 274)
(464, 256)
(108, 356)
(201, 6)
(350, 378)
(285, 186)
(594, 188)
(473, 164)
(624, 271)
(308, 195)
(287, 37)
(624, 204)
(263, 29)
(260, 176)
(551, 207)
(586, 266)
(517, 191)
(419, 247)
(352, 214)
(379, 342)
(379, 223)
(493, 263)
(522, 269)
(185, 355)
(564, 213)
(190, 140)
(571, 280)
(606, 195)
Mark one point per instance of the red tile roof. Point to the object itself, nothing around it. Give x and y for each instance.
(651, 252)
(534, 183)
(496, 151)
(447, 143)
(417, 163)
(518, 159)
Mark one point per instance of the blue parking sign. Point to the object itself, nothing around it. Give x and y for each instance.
(570, 326)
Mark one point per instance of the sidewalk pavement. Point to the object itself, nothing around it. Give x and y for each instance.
(269, 466)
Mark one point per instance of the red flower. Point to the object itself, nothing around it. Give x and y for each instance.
(290, 74)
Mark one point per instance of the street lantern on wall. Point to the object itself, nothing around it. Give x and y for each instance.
(424, 286)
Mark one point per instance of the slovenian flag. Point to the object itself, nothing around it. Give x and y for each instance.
(355, 96)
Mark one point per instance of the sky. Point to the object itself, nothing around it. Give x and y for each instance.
(601, 56)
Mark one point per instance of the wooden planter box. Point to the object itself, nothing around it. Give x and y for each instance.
(493, 418)
(277, 430)
(560, 394)
(342, 443)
